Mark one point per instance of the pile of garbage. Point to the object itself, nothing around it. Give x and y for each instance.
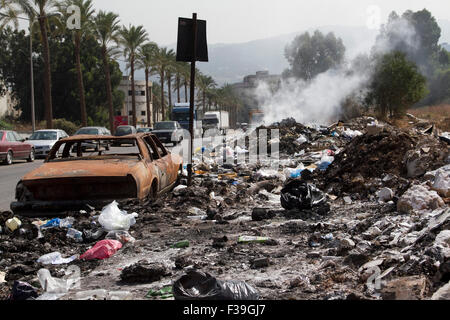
(387, 158)
(356, 210)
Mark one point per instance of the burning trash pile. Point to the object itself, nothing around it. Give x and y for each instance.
(356, 210)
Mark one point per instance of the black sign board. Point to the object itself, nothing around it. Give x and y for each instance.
(185, 41)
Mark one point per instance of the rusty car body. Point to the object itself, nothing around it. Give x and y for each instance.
(71, 177)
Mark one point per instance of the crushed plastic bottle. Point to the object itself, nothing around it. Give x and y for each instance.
(56, 258)
(75, 235)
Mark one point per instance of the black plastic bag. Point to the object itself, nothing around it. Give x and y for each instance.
(298, 194)
(196, 285)
(23, 291)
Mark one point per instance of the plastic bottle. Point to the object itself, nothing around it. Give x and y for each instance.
(75, 235)
(181, 244)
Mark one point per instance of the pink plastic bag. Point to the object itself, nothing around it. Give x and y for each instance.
(102, 250)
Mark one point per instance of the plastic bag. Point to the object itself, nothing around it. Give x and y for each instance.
(299, 194)
(56, 258)
(122, 236)
(112, 218)
(197, 285)
(102, 250)
(23, 291)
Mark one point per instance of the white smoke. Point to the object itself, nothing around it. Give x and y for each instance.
(320, 100)
(317, 101)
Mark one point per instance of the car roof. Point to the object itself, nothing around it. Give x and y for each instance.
(48, 130)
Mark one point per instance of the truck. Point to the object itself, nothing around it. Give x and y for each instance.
(181, 114)
(256, 117)
(216, 120)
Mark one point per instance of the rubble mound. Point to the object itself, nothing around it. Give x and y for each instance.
(290, 131)
(385, 154)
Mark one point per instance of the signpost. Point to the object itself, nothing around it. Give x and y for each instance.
(191, 47)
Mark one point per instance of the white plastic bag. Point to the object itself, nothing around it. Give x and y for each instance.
(56, 258)
(112, 218)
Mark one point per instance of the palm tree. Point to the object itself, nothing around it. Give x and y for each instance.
(205, 83)
(131, 39)
(106, 30)
(163, 60)
(186, 77)
(170, 70)
(41, 10)
(86, 14)
(8, 14)
(146, 60)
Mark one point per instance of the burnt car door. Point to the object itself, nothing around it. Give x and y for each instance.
(169, 165)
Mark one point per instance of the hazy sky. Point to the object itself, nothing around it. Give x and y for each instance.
(244, 20)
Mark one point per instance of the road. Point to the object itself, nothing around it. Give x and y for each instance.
(9, 176)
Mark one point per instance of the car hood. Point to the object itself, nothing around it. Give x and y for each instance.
(85, 168)
(39, 143)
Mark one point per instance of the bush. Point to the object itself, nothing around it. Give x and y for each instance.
(5, 125)
(69, 127)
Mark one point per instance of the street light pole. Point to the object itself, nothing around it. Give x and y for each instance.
(33, 117)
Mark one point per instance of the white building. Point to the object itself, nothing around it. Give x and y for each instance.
(141, 101)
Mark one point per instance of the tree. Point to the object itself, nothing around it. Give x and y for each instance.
(8, 14)
(86, 15)
(414, 33)
(41, 10)
(309, 56)
(170, 70)
(15, 70)
(396, 84)
(106, 31)
(131, 39)
(146, 60)
(163, 60)
(205, 84)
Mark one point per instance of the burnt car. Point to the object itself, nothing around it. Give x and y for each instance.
(13, 146)
(70, 181)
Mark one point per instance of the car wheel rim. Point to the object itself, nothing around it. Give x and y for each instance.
(9, 158)
(32, 155)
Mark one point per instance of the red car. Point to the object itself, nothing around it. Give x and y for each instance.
(12, 146)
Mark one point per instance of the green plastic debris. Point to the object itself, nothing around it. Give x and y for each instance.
(252, 239)
(164, 293)
(181, 244)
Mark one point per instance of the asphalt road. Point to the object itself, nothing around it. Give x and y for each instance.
(9, 176)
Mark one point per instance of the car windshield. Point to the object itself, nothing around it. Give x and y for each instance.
(121, 131)
(181, 116)
(165, 126)
(44, 135)
(1, 135)
(87, 131)
(211, 121)
(144, 130)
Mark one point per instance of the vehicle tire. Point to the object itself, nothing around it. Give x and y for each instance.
(9, 158)
(108, 147)
(134, 143)
(31, 156)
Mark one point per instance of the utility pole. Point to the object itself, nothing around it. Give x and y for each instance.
(192, 97)
(33, 116)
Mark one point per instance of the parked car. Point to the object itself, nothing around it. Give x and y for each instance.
(71, 181)
(168, 132)
(125, 131)
(44, 140)
(99, 131)
(143, 130)
(13, 146)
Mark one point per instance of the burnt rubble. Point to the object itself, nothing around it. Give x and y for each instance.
(365, 216)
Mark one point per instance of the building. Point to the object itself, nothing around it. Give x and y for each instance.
(7, 106)
(246, 91)
(141, 101)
